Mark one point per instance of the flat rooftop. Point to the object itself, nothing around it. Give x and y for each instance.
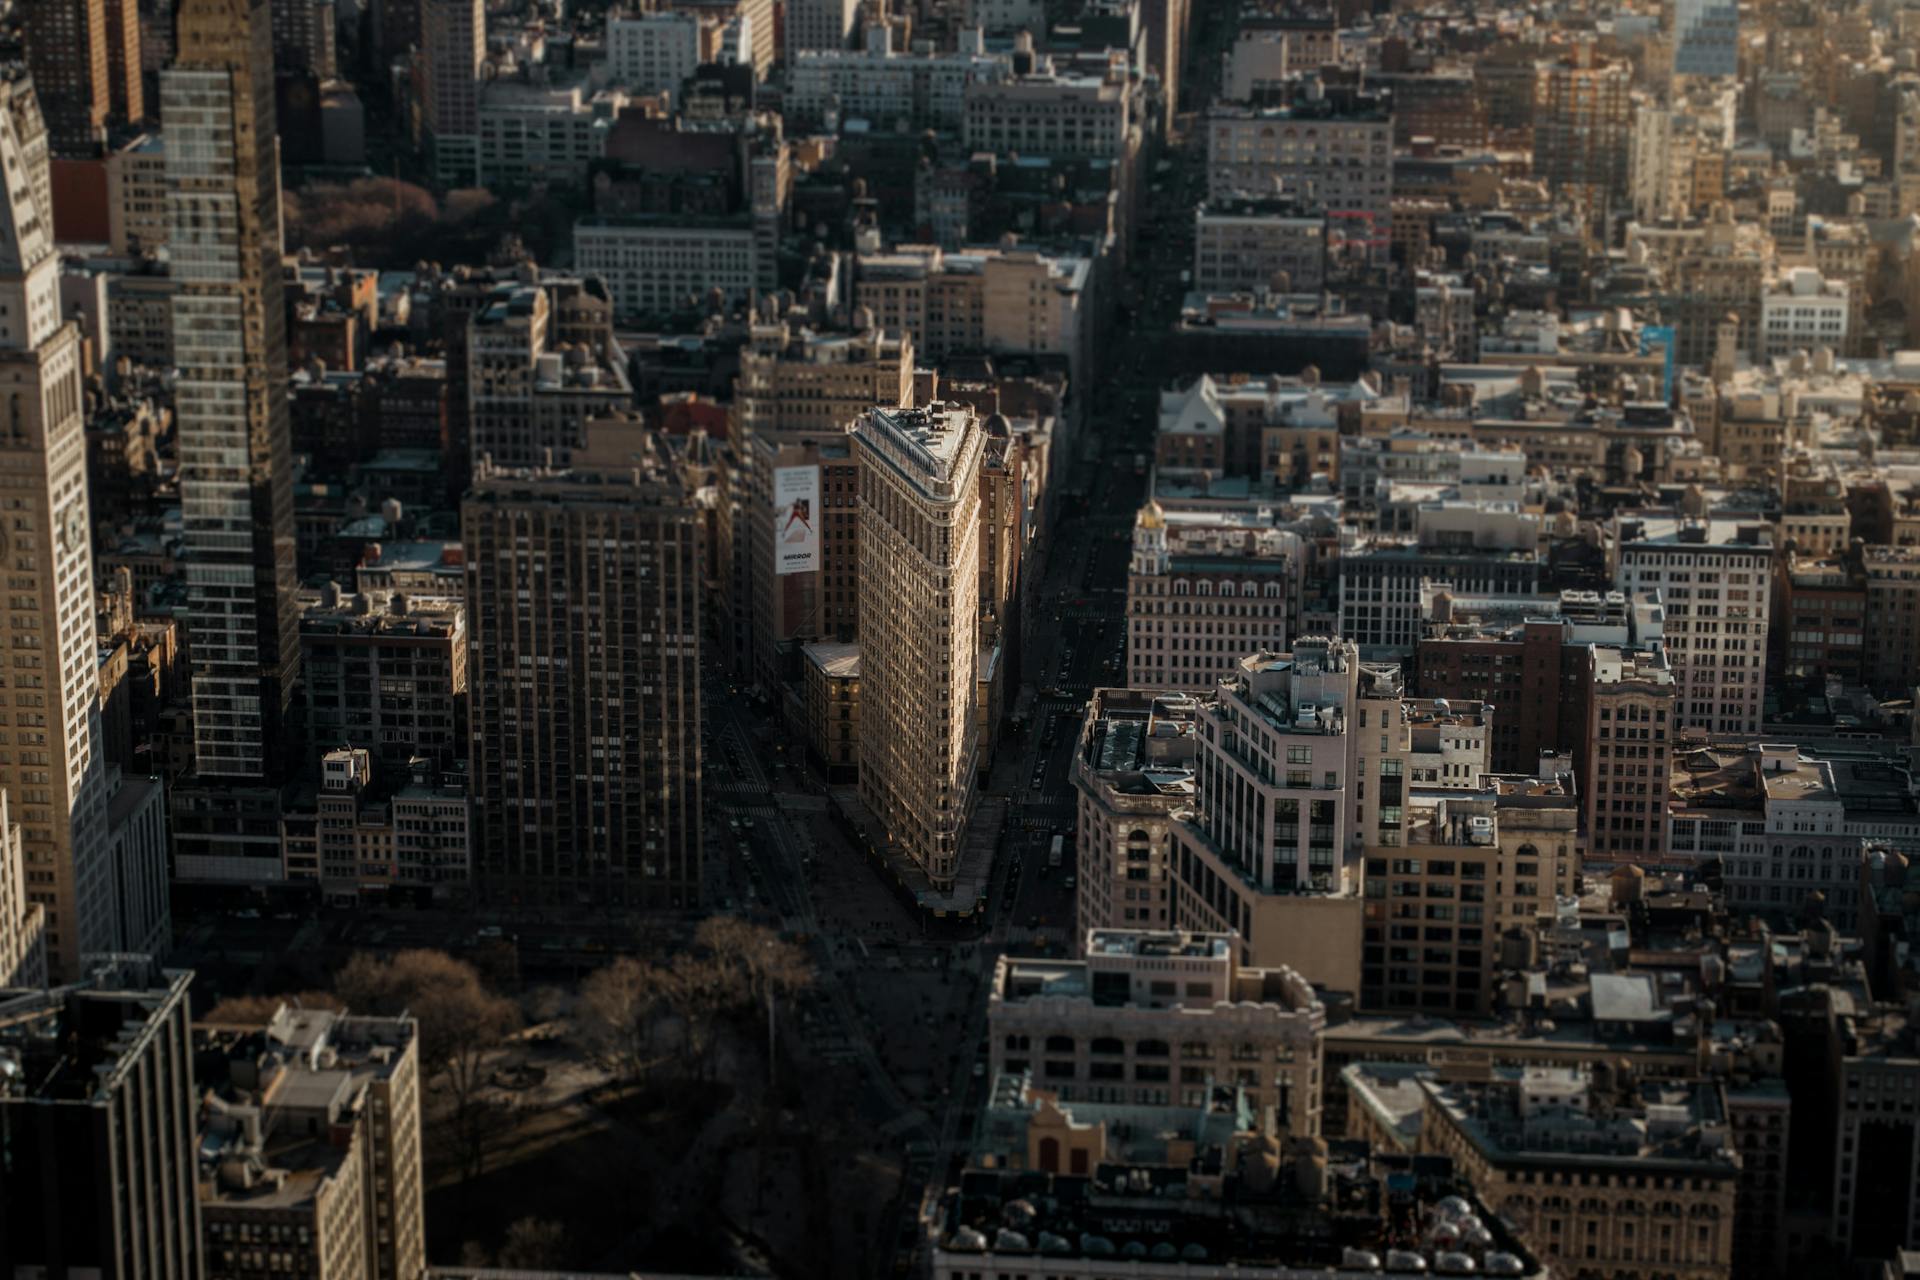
(1150, 1219)
(274, 1092)
(835, 661)
(1670, 529)
(935, 438)
(1532, 1114)
(73, 1044)
(1149, 944)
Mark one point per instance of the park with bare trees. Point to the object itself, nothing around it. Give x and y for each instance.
(663, 1111)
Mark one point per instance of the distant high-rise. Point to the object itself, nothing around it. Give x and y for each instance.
(453, 48)
(97, 1107)
(1583, 126)
(542, 361)
(920, 627)
(53, 770)
(396, 30)
(583, 600)
(236, 468)
(126, 87)
(67, 53)
(303, 37)
(1706, 38)
(821, 25)
(85, 59)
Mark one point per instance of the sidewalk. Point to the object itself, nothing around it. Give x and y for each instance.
(975, 871)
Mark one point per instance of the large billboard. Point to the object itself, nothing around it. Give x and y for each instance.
(796, 519)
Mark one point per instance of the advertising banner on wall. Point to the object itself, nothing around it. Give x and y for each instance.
(796, 519)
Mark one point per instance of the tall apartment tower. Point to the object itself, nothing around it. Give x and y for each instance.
(1583, 126)
(1132, 770)
(920, 626)
(98, 1113)
(1266, 849)
(1629, 736)
(453, 40)
(583, 603)
(85, 60)
(126, 86)
(67, 53)
(53, 770)
(229, 320)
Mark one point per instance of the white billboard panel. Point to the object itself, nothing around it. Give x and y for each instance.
(796, 519)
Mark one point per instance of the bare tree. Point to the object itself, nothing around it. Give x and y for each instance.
(618, 1011)
(757, 963)
(460, 1023)
(697, 991)
(363, 212)
(465, 203)
(533, 1244)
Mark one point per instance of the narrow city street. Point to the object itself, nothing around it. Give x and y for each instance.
(906, 1008)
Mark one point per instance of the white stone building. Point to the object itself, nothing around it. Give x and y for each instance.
(1713, 576)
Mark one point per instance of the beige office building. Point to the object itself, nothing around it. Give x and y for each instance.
(1054, 112)
(1132, 768)
(795, 381)
(1158, 1018)
(137, 218)
(1400, 743)
(1714, 577)
(1253, 247)
(51, 766)
(1264, 850)
(1206, 587)
(1012, 300)
(1631, 1181)
(920, 627)
(310, 1139)
(1471, 866)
